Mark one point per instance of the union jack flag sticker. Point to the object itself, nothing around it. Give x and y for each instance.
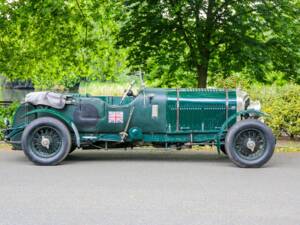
(115, 117)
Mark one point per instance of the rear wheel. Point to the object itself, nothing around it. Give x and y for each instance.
(46, 141)
(250, 143)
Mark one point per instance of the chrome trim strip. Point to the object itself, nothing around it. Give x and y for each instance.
(177, 110)
(227, 103)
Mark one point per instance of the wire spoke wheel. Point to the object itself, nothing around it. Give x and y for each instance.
(250, 144)
(46, 141)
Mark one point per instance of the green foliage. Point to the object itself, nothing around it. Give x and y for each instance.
(282, 104)
(167, 75)
(243, 80)
(176, 43)
(214, 38)
(59, 43)
(234, 81)
(7, 113)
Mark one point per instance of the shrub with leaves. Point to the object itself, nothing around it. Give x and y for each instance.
(283, 106)
(6, 112)
(233, 81)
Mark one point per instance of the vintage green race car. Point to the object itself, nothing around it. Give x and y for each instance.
(48, 126)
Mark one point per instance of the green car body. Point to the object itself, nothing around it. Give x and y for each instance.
(162, 117)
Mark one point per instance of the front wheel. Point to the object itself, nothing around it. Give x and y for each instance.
(223, 149)
(46, 141)
(72, 149)
(250, 143)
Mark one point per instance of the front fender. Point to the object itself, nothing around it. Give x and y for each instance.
(68, 121)
(233, 117)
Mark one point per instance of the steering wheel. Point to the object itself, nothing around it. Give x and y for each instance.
(127, 91)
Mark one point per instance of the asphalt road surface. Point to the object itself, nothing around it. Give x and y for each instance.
(148, 188)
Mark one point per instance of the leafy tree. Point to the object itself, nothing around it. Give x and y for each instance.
(209, 37)
(60, 42)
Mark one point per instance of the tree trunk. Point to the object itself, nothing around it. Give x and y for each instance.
(202, 75)
(202, 67)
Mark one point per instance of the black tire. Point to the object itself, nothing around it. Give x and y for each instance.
(58, 140)
(242, 135)
(16, 147)
(223, 149)
(73, 148)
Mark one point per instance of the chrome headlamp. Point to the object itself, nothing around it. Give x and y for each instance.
(255, 105)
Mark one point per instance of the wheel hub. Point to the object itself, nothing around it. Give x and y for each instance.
(251, 144)
(45, 142)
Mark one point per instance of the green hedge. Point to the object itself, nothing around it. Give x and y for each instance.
(283, 106)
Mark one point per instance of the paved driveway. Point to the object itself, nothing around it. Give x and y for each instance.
(148, 188)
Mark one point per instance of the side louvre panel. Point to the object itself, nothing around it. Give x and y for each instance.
(199, 109)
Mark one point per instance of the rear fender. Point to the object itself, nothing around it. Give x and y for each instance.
(60, 116)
